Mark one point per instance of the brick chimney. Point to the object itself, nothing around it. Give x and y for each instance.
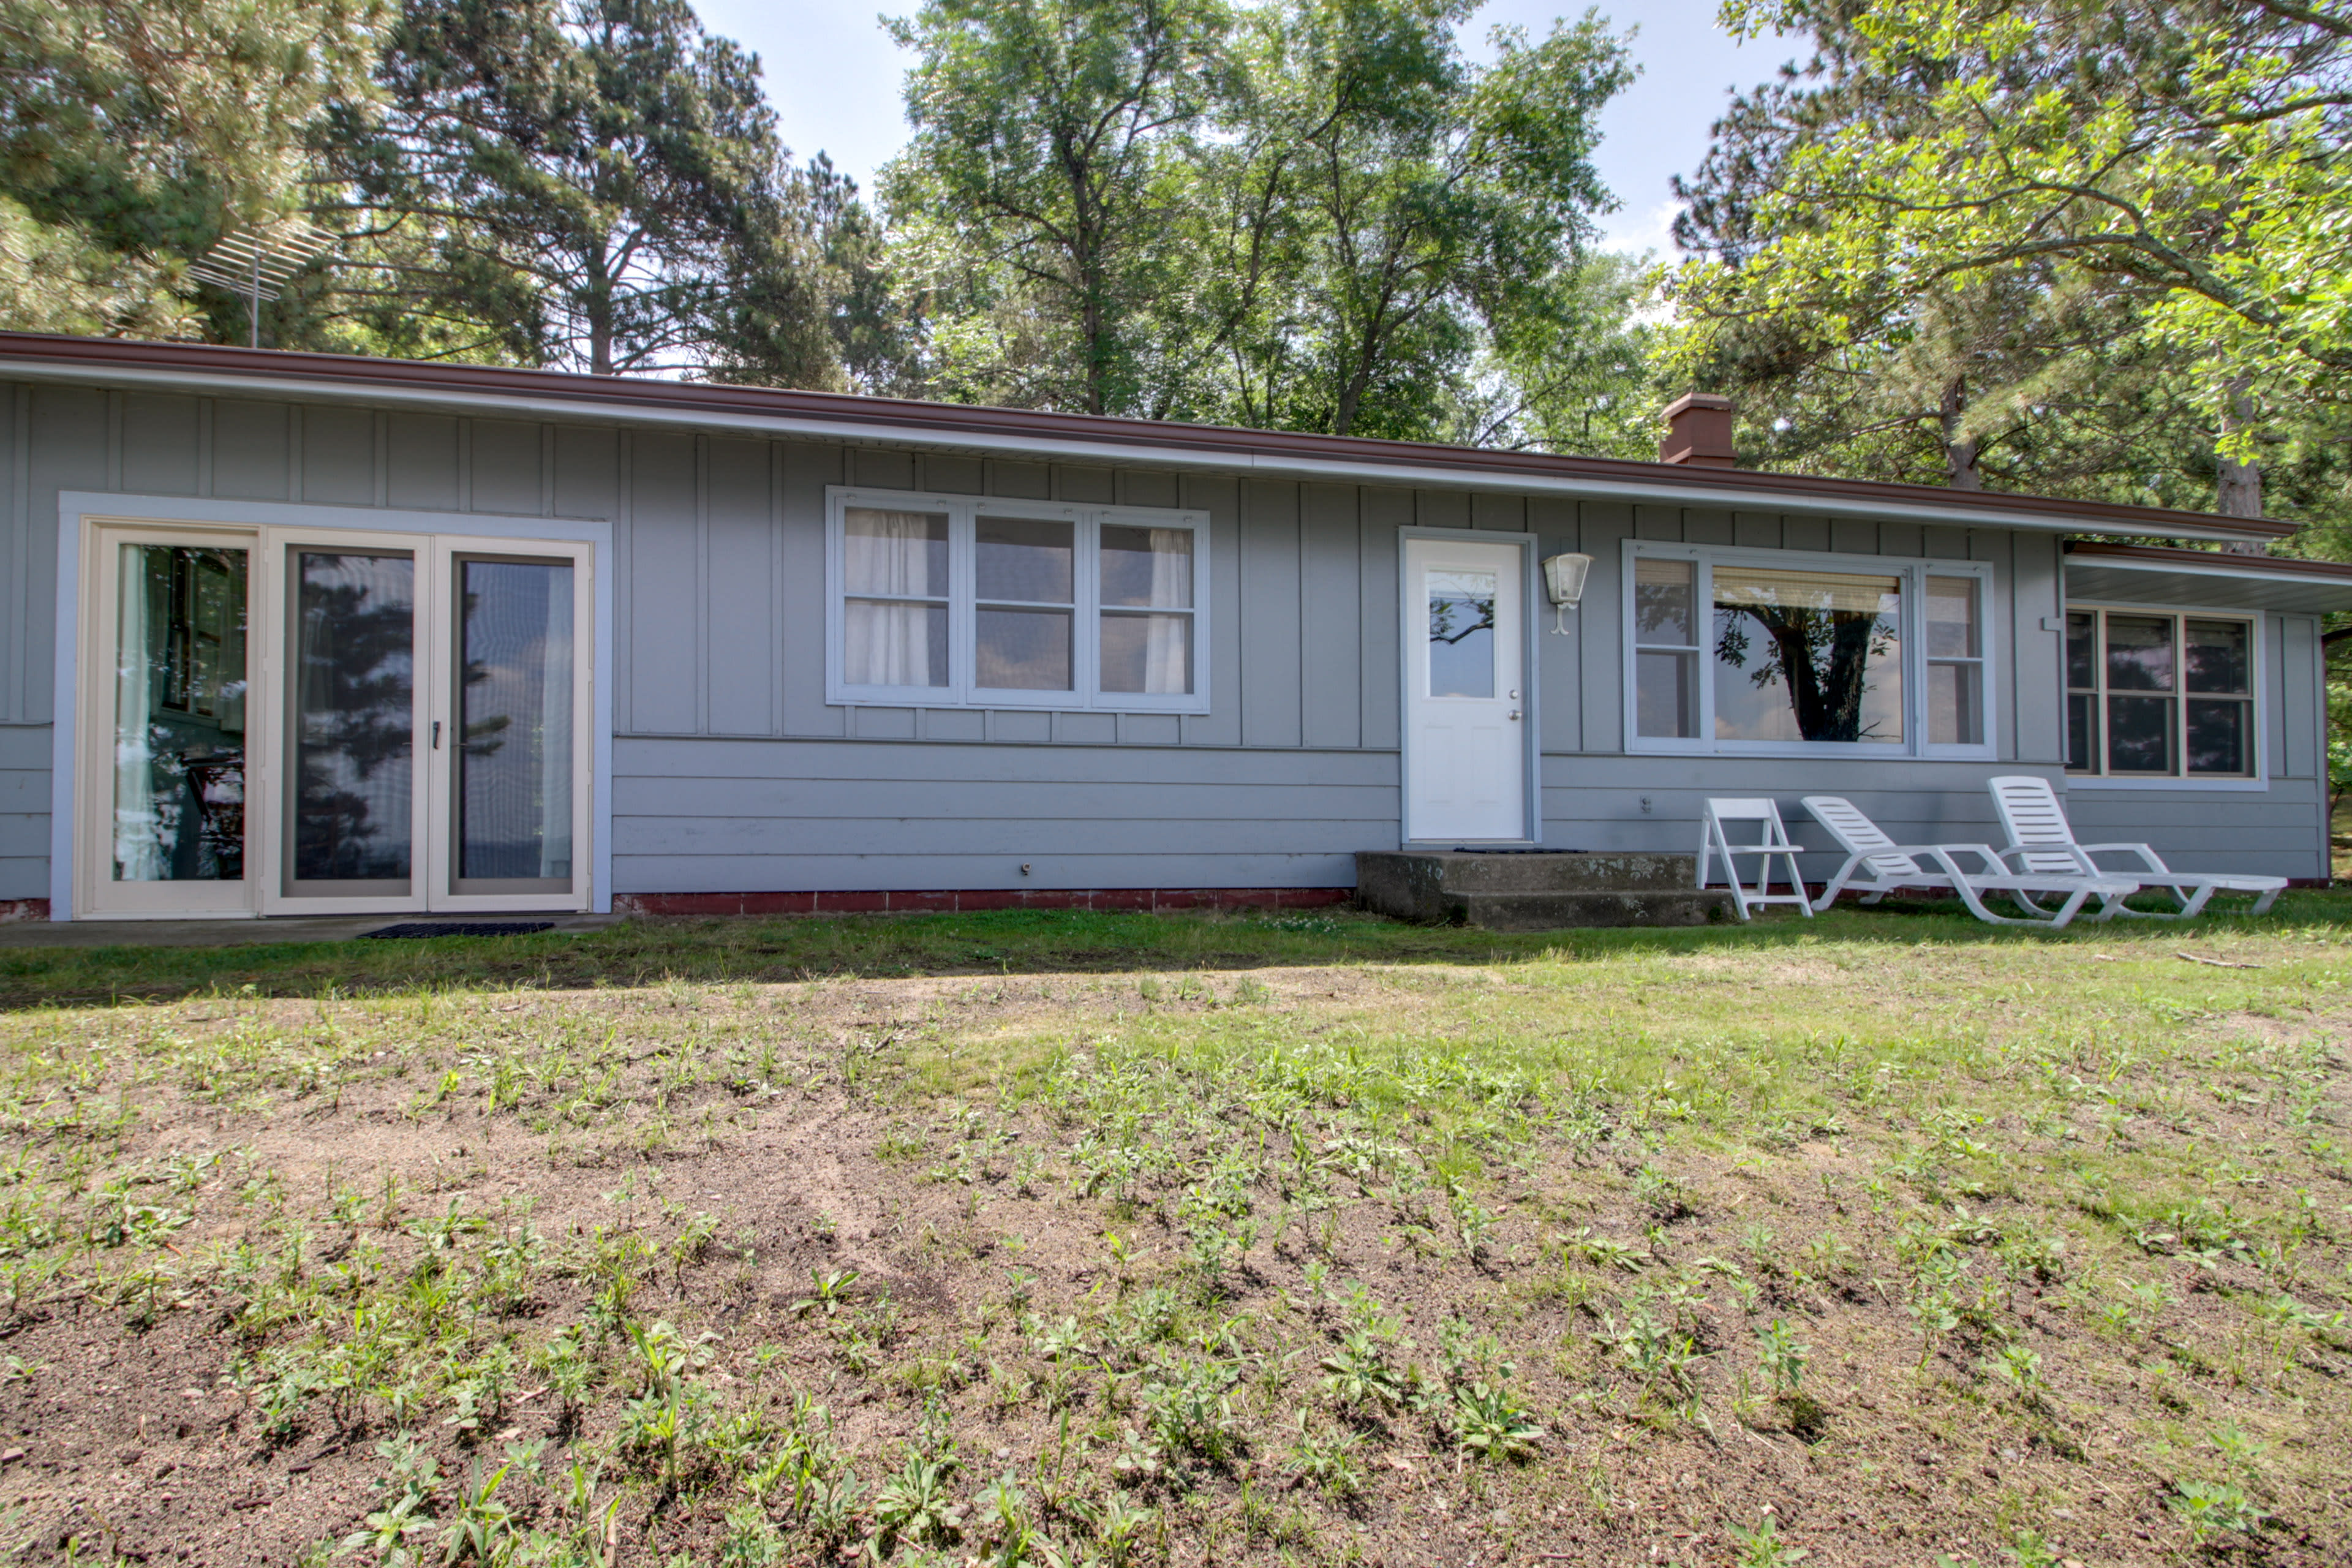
(1698, 431)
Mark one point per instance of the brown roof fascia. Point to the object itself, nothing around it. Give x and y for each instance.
(614, 394)
(2252, 566)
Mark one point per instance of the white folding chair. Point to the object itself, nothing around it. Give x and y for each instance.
(1772, 841)
(2041, 839)
(1876, 866)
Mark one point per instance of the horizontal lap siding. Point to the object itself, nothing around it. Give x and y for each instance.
(1597, 803)
(23, 811)
(2270, 833)
(725, 816)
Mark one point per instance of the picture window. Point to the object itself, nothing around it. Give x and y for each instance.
(940, 601)
(1743, 651)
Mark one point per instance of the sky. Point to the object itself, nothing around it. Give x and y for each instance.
(835, 76)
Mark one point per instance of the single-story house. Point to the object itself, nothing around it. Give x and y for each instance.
(291, 634)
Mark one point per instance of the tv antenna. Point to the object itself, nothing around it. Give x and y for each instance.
(257, 261)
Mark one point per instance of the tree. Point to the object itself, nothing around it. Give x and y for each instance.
(1308, 215)
(597, 184)
(1402, 219)
(1040, 186)
(134, 133)
(1975, 191)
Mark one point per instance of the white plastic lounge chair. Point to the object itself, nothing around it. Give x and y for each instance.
(2040, 840)
(1772, 841)
(1876, 866)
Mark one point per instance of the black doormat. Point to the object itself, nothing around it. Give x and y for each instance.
(462, 928)
(1492, 849)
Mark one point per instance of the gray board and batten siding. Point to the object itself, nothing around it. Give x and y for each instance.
(732, 774)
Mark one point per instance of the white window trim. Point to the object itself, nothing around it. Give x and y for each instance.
(1914, 570)
(2257, 657)
(82, 513)
(961, 691)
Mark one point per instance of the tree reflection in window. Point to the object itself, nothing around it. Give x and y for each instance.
(1462, 633)
(1818, 654)
(354, 716)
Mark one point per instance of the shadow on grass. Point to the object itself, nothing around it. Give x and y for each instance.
(1023, 941)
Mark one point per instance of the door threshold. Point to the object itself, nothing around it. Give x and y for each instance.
(247, 932)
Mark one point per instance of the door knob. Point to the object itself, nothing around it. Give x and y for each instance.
(1515, 714)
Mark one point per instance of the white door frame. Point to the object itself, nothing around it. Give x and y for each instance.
(270, 773)
(92, 831)
(1413, 622)
(439, 777)
(81, 514)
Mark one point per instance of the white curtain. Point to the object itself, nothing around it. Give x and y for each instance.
(555, 728)
(889, 552)
(888, 645)
(138, 836)
(1167, 664)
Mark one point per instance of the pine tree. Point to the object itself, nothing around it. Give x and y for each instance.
(602, 180)
(135, 132)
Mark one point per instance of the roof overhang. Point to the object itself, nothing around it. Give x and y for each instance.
(502, 392)
(2099, 572)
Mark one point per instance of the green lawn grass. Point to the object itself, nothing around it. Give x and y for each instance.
(1056, 1238)
(799, 948)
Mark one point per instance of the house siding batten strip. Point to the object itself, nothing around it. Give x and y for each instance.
(15, 549)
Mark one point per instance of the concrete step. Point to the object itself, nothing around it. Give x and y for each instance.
(1538, 892)
(1560, 911)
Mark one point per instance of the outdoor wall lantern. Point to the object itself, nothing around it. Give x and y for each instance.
(1564, 583)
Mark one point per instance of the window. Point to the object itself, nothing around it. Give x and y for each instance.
(1956, 683)
(944, 602)
(2156, 695)
(1461, 633)
(1765, 651)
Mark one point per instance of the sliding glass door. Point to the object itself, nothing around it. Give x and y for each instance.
(281, 722)
(350, 811)
(507, 801)
(165, 734)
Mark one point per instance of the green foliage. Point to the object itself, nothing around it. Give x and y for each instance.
(1298, 215)
(1331, 1463)
(1490, 1423)
(387, 1532)
(1358, 1373)
(917, 1504)
(2212, 1508)
(1041, 182)
(595, 184)
(2043, 244)
(1783, 1357)
(134, 133)
(1762, 1545)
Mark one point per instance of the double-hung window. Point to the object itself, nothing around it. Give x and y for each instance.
(1772, 652)
(2157, 694)
(940, 601)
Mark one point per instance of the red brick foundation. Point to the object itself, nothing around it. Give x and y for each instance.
(951, 900)
(14, 910)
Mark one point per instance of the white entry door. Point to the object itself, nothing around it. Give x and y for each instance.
(1465, 751)
(414, 710)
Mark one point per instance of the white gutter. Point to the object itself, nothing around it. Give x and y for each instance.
(1140, 453)
(2096, 562)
